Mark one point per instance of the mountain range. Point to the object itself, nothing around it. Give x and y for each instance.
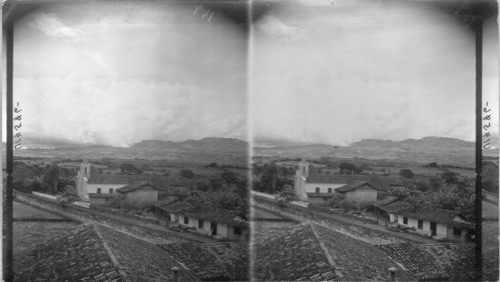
(207, 150)
(425, 150)
(234, 151)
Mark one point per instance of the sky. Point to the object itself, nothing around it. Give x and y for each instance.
(116, 73)
(336, 72)
(310, 71)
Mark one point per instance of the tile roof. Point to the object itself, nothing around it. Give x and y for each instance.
(135, 186)
(294, 255)
(175, 207)
(355, 185)
(212, 261)
(225, 216)
(376, 180)
(357, 260)
(160, 181)
(75, 255)
(309, 251)
(110, 179)
(424, 212)
(141, 260)
(446, 261)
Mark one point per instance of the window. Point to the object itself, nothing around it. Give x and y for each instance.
(186, 220)
(213, 227)
(237, 230)
(317, 189)
(200, 224)
(405, 220)
(98, 190)
(330, 190)
(457, 231)
(110, 190)
(420, 224)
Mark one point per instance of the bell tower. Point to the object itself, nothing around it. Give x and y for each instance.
(85, 169)
(301, 176)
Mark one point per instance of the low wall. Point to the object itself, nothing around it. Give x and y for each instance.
(84, 214)
(361, 233)
(490, 197)
(260, 194)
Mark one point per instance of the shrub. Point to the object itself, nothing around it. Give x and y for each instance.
(406, 173)
(186, 173)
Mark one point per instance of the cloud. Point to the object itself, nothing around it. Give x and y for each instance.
(50, 25)
(275, 27)
(408, 74)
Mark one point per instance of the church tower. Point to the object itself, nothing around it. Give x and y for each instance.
(301, 176)
(85, 169)
(82, 179)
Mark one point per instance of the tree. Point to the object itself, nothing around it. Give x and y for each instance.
(433, 164)
(349, 168)
(449, 177)
(269, 177)
(214, 164)
(406, 173)
(229, 177)
(68, 195)
(129, 169)
(51, 178)
(186, 173)
(287, 195)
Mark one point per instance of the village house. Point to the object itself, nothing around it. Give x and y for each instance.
(318, 188)
(139, 192)
(214, 222)
(426, 220)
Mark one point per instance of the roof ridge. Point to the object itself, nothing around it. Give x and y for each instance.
(329, 257)
(111, 255)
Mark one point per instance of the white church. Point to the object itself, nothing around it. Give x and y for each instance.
(319, 188)
(97, 187)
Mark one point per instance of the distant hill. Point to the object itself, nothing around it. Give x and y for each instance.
(206, 150)
(425, 150)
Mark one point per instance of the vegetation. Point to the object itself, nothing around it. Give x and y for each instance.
(186, 173)
(349, 168)
(406, 173)
(68, 195)
(129, 169)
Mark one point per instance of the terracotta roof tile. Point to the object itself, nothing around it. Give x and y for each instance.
(357, 260)
(75, 255)
(141, 260)
(356, 185)
(135, 186)
(213, 261)
(446, 261)
(423, 212)
(294, 255)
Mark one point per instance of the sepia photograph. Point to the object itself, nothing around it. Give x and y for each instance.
(250, 140)
(130, 157)
(364, 141)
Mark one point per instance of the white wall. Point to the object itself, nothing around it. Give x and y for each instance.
(269, 196)
(92, 188)
(222, 230)
(323, 187)
(441, 230)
